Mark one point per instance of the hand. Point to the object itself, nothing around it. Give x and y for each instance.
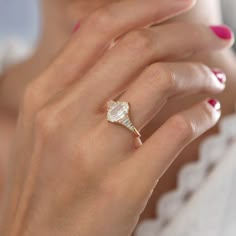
(72, 172)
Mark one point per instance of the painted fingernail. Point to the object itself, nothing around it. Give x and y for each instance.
(76, 28)
(222, 31)
(215, 104)
(220, 75)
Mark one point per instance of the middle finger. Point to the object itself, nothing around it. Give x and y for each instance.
(110, 76)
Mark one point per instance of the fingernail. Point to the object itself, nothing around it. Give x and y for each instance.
(76, 28)
(215, 104)
(220, 75)
(222, 31)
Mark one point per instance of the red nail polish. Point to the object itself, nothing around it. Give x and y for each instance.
(222, 32)
(76, 28)
(220, 75)
(214, 103)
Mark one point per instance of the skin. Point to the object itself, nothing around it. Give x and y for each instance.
(63, 88)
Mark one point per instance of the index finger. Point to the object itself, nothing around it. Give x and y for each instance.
(99, 29)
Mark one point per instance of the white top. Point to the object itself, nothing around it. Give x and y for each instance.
(204, 203)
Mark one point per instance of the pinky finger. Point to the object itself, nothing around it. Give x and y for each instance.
(147, 165)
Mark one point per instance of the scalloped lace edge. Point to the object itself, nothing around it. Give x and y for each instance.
(191, 177)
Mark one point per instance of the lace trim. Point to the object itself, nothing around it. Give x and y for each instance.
(191, 177)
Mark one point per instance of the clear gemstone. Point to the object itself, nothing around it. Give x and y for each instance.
(110, 104)
(117, 111)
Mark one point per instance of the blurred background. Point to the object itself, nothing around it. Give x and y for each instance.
(20, 26)
(19, 29)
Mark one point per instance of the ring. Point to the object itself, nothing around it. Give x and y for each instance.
(118, 113)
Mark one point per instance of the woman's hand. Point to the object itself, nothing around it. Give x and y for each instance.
(73, 173)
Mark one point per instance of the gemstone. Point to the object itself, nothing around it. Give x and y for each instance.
(117, 111)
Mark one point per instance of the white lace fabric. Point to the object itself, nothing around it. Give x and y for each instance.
(204, 203)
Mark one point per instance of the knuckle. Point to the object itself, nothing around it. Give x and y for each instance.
(30, 99)
(46, 122)
(159, 75)
(206, 73)
(202, 66)
(140, 40)
(205, 81)
(101, 19)
(183, 129)
(203, 69)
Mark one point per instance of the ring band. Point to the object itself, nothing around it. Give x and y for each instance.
(118, 113)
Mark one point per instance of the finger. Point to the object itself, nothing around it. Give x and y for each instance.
(159, 83)
(139, 49)
(147, 165)
(97, 32)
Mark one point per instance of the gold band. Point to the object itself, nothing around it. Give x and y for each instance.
(129, 125)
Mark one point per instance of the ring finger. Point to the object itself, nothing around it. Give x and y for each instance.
(155, 86)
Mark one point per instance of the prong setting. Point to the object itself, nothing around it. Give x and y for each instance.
(118, 112)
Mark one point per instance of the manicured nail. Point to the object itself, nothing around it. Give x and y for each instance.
(222, 31)
(215, 104)
(76, 28)
(220, 75)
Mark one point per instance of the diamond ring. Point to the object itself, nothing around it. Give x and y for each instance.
(118, 113)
